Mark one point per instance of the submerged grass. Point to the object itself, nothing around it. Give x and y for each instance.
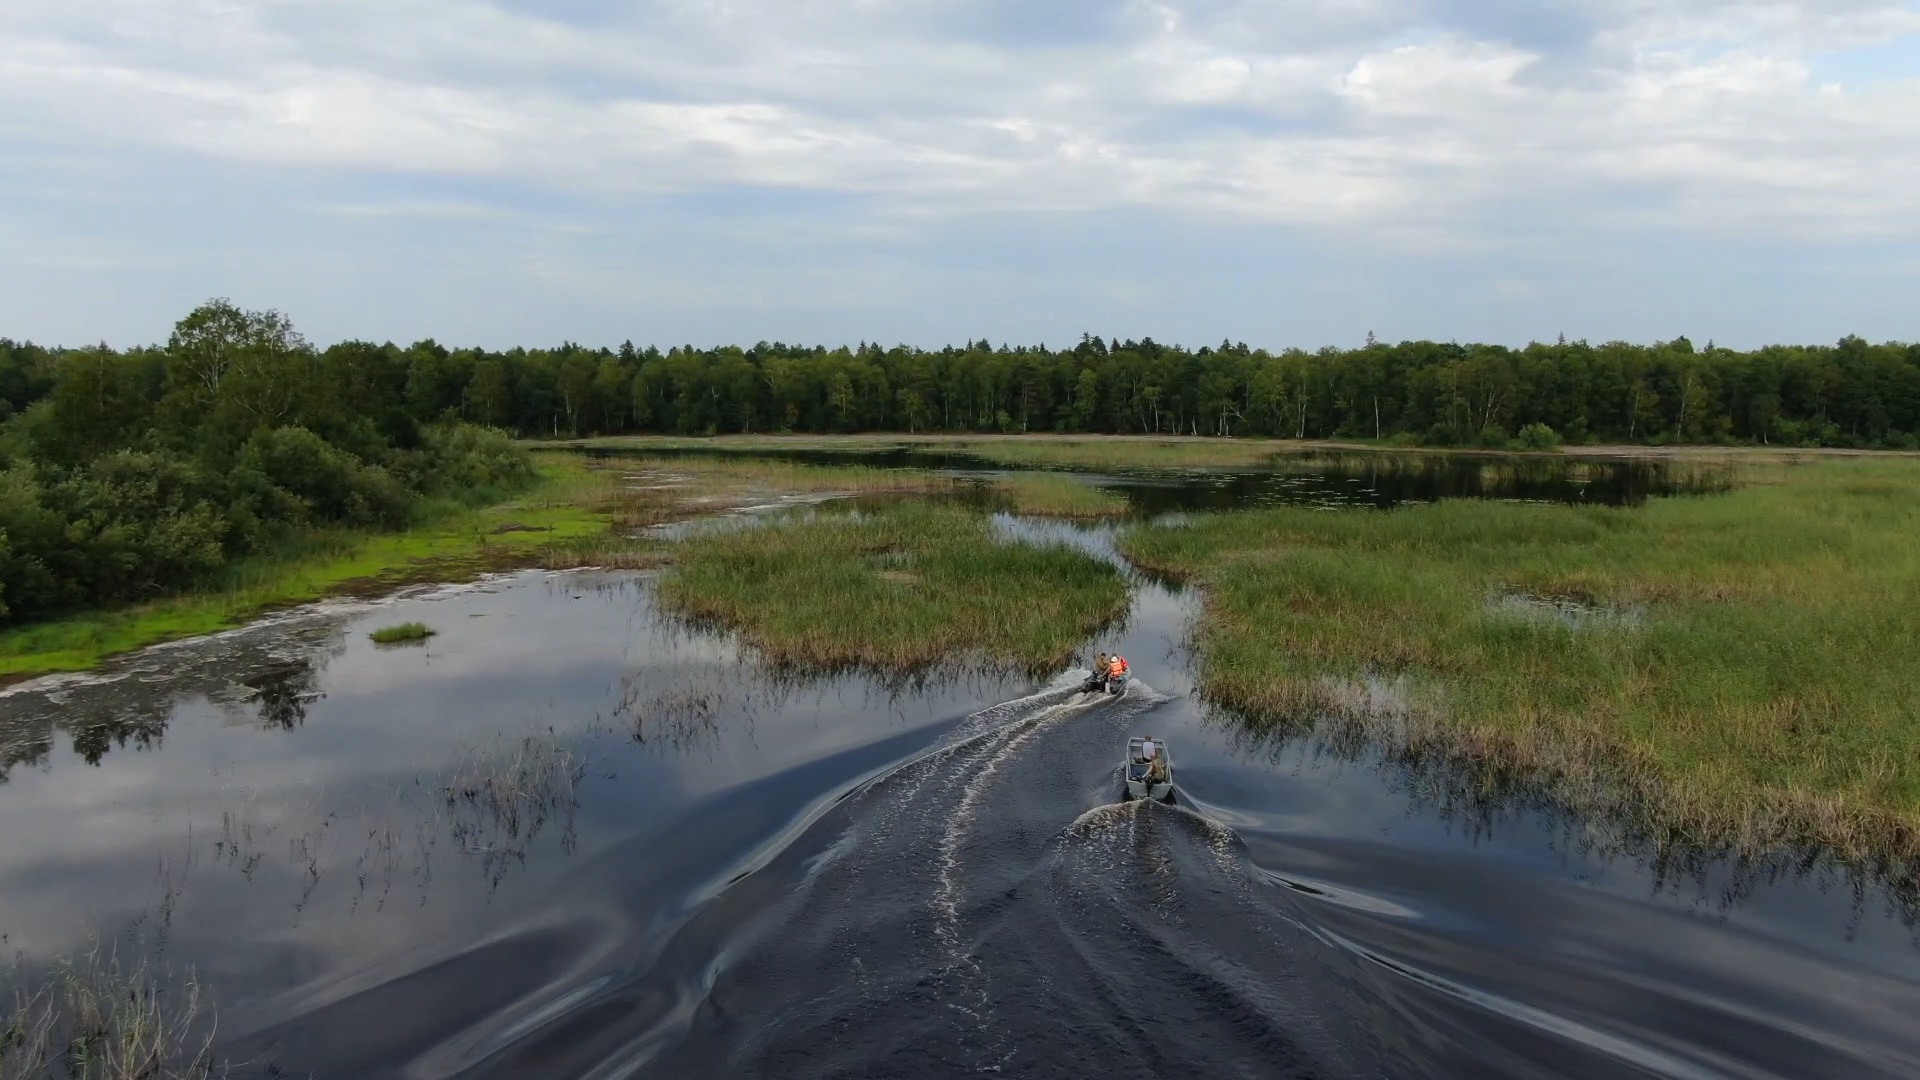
(1060, 496)
(897, 591)
(1742, 672)
(503, 794)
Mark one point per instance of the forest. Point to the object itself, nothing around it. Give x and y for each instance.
(1852, 393)
(132, 475)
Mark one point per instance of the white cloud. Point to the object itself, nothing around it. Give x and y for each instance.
(1371, 113)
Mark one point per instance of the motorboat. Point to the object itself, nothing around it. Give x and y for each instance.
(1112, 684)
(1148, 778)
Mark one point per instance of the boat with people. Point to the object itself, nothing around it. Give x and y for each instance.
(1109, 674)
(1148, 769)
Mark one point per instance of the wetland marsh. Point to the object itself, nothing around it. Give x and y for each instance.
(804, 788)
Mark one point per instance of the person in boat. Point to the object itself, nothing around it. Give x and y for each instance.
(1116, 669)
(1097, 680)
(1156, 762)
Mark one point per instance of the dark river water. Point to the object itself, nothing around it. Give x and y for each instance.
(711, 873)
(1334, 478)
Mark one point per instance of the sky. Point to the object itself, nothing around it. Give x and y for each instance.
(935, 171)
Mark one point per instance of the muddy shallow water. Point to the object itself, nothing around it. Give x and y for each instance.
(717, 874)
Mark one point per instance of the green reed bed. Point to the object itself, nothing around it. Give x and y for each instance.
(901, 590)
(1730, 669)
(403, 633)
(1057, 495)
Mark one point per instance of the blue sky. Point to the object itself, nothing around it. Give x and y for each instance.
(927, 171)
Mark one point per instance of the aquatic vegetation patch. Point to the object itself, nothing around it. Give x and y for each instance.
(1058, 495)
(897, 590)
(502, 795)
(1727, 669)
(97, 1017)
(405, 632)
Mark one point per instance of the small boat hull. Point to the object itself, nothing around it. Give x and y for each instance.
(1139, 789)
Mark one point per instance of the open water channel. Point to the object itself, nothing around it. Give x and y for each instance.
(710, 872)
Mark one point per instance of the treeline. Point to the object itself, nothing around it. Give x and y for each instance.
(1850, 394)
(128, 475)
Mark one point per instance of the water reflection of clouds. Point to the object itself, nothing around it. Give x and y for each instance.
(303, 732)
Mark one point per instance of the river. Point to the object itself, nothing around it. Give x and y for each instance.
(712, 872)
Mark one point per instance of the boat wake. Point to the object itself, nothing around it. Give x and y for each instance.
(987, 903)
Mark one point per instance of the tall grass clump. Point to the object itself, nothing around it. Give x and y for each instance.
(1744, 673)
(1060, 496)
(405, 632)
(96, 1018)
(898, 591)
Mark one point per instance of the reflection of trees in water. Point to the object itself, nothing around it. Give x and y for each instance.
(283, 692)
(23, 744)
(99, 729)
(258, 675)
(95, 727)
(1480, 796)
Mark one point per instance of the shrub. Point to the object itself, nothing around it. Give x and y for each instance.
(1537, 436)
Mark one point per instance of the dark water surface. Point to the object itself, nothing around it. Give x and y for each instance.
(845, 879)
(1327, 479)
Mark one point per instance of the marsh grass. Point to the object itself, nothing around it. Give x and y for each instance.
(581, 512)
(1058, 495)
(1763, 694)
(898, 590)
(409, 633)
(98, 1018)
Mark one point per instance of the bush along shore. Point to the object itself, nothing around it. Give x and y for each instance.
(168, 492)
(1734, 670)
(899, 590)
